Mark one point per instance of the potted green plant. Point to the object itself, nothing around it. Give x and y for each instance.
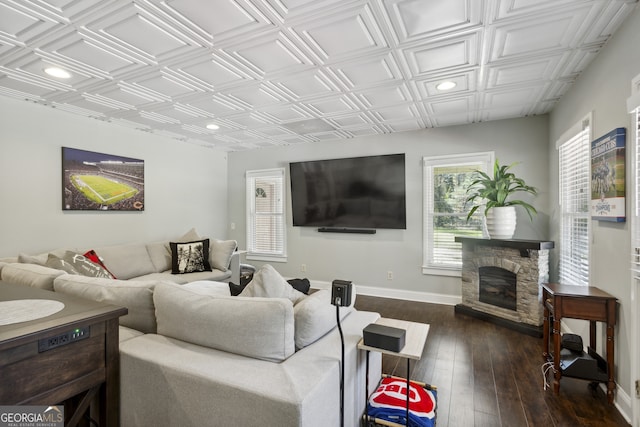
(494, 194)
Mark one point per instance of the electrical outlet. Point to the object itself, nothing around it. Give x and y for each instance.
(303, 267)
(233, 225)
(389, 275)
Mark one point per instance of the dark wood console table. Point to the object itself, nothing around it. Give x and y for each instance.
(70, 354)
(586, 303)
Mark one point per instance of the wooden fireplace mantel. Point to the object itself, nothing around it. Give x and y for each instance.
(512, 243)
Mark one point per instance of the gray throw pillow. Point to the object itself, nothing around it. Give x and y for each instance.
(74, 263)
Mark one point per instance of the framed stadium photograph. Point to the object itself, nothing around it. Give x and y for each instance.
(101, 182)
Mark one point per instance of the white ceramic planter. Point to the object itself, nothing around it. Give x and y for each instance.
(501, 222)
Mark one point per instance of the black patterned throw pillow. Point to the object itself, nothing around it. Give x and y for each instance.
(190, 257)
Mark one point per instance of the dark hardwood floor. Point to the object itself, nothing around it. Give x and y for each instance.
(488, 375)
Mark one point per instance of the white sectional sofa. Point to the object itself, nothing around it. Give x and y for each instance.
(134, 261)
(192, 355)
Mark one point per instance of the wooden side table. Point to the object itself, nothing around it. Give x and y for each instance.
(415, 339)
(579, 302)
(72, 353)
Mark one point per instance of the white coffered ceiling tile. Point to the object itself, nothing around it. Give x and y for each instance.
(23, 87)
(273, 53)
(374, 130)
(160, 84)
(160, 118)
(286, 113)
(608, 17)
(273, 132)
(525, 71)
(245, 120)
(396, 113)
(211, 106)
(207, 73)
(289, 9)
(20, 22)
(358, 29)
(444, 56)
(368, 71)
(306, 84)
(385, 96)
(578, 60)
(559, 30)
(333, 105)
(452, 119)
(133, 29)
(351, 120)
(416, 19)
(402, 126)
(253, 96)
(448, 106)
(516, 98)
(90, 56)
(222, 19)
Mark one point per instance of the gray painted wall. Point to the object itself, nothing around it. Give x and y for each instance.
(185, 185)
(603, 90)
(365, 259)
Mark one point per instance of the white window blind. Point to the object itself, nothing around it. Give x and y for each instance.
(575, 191)
(266, 239)
(444, 213)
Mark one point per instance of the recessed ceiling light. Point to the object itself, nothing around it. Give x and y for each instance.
(446, 85)
(58, 72)
(213, 126)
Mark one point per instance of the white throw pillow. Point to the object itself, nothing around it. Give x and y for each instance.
(315, 316)
(268, 283)
(221, 252)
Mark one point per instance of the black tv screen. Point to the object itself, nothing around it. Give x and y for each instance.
(357, 192)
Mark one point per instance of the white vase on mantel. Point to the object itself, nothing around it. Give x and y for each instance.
(501, 222)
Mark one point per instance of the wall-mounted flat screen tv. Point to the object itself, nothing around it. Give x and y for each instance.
(103, 182)
(357, 192)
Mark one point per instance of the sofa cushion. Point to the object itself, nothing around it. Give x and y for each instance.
(221, 252)
(315, 316)
(137, 296)
(208, 287)
(181, 279)
(268, 283)
(41, 259)
(127, 261)
(33, 275)
(190, 257)
(254, 327)
(160, 255)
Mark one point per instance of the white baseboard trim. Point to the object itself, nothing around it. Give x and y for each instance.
(397, 294)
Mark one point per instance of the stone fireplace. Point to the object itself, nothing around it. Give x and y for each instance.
(501, 281)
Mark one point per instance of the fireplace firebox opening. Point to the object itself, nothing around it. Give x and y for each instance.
(497, 286)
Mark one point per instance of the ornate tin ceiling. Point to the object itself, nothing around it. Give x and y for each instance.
(277, 72)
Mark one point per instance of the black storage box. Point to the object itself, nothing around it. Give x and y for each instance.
(384, 337)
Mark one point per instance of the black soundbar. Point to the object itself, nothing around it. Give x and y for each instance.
(346, 230)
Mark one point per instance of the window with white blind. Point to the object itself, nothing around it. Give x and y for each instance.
(266, 226)
(446, 179)
(575, 191)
